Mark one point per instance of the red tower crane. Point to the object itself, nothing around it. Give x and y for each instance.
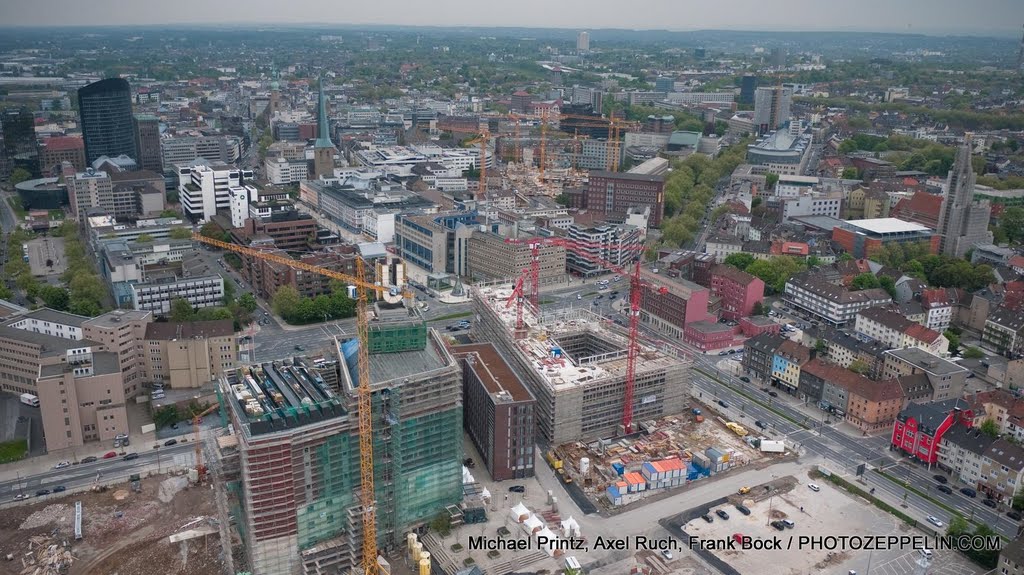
(517, 296)
(636, 287)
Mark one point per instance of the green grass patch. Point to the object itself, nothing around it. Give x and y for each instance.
(754, 399)
(13, 450)
(15, 203)
(839, 481)
(459, 315)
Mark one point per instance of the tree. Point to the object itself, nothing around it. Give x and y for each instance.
(821, 347)
(180, 234)
(759, 309)
(849, 174)
(213, 231)
(285, 302)
(181, 309)
(770, 179)
(144, 238)
(248, 302)
(166, 415)
(5, 292)
(562, 199)
(89, 308)
(441, 523)
(1018, 500)
(954, 340)
(19, 175)
(973, 353)
(859, 366)
(989, 427)
(866, 280)
(55, 297)
(889, 285)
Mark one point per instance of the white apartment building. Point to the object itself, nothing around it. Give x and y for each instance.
(721, 247)
(834, 304)
(205, 291)
(812, 204)
(204, 188)
(897, 332)
(178, 151)
(241, 197)
(51, 322)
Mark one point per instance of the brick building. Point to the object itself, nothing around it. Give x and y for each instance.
(919, 427)
(498, 411)
(59, 149)
(669, 304)
(613, 193)
(739, 291)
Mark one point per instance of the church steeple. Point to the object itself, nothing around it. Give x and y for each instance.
(323, 138)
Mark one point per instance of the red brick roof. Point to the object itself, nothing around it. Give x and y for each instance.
(922, 208)
(64, 143)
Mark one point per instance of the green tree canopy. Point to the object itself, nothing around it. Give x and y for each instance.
(181, 310)
(866, 280)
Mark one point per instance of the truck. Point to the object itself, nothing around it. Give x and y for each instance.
(29, 399)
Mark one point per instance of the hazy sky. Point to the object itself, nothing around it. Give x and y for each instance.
(975, 17)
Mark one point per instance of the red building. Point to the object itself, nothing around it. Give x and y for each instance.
(710, 335)
(919, 428)
(739, 291)
(59, 149)
(613, 193)
(681, 303)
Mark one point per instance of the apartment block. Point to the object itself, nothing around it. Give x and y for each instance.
(618, 244)
(81, 398)
(1004, 331)
(613, 193)
(184, 355)
(204, 188)
(886, 326)
(499, 411)
(962, 451)
(833, 304)
(267, 277)
(670, 304)
(157, 294)
(122, 332)
(786, 365)
(938, 305)
(919, 427)
(947, 378)
(739, 291)
(758, 355)
(1002, 471)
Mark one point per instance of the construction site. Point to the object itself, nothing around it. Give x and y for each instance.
(295, 495)
(126, 529)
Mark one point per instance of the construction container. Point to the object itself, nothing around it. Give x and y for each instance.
(584, 465)
(619, 468)
(635, 482)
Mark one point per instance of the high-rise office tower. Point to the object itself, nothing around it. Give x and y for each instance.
(963, 221)
(147, 142)
(747, 87)
(583, 42)
(323, 148)
(771, 107)
(778, 57)
(1020, 56)
(18, 147)
(105, 108)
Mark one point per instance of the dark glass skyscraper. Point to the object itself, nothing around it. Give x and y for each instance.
(105, 108)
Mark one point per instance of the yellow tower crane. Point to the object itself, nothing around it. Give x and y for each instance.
(363, 391)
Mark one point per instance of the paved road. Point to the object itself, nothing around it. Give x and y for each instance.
(85, 474)
(843, 451)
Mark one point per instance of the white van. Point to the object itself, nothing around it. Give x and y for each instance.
(926, 553)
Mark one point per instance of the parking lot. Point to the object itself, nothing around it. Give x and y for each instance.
(828, 512)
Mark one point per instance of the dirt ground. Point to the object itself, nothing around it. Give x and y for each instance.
(124, 533)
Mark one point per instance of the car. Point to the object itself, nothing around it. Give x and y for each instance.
(517, 489)
(761, 424)
(707, 517)
(722, 353)
(813, 487)
(723, 404)
(132, 456)
(765, 389)
(170, 442)
(89, 459)
(1015, 515)
(773, 394)
(945, 489)
(300, 348)
(599, 296)
(174, 425)
(117, 443)
(739, 538)
(789, 523)
(579, 296)
(109, 455)
(968, 492)
(940, 478)
(743, 509)
(62, 465)
(666, 554)
(20, 496)
(785, 309)
(59, 489)
(778, 525)
(721, 513)
(121, 436)
(989, 503)
(613, 294)
(744, 490)
(468, 462)
(745, 379)
(42, 492)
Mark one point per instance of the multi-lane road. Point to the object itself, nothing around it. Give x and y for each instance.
(839, 450)
(106, 470)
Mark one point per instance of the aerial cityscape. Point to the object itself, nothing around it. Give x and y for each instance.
(415, 289)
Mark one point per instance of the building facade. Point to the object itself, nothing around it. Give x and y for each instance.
(147, 143)
(188, 355)
(613, 193)
(963, 222)
(105, 110)
(740, 292)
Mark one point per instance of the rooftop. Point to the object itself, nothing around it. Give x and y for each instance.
(117, 317)
(494, 371)
(52, 316)
(968, 438)
(927, 362)
(1006, 453)
(273, 397)
(50, 345)
(886, 226)
(170, 330)
(389, 367)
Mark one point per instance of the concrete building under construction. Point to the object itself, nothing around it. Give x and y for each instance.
(575, 367)
(296, 495)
